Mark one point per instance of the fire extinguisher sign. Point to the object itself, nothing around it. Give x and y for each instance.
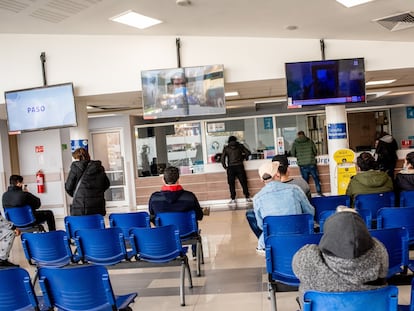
(39, 149)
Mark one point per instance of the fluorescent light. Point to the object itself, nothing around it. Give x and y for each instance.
(380, 82)
(351, 3)
(229, 94)
(136, 20)
(91, 116)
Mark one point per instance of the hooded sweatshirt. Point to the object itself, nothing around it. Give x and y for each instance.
(234, 154)
(346, 259)
(173, 198)
(371, 181)
(304, 149)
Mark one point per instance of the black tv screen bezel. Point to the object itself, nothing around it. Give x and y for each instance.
(306, 101)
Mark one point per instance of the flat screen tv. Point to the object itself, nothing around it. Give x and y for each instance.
(325, 82)
(182, 92)
(41, 108)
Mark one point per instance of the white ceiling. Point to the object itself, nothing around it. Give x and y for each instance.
(317, 19)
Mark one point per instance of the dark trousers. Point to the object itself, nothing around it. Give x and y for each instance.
(251, 219)
(42, 216)
(233, 172)
(306, 170)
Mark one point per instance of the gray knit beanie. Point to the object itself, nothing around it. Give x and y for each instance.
(345, 236)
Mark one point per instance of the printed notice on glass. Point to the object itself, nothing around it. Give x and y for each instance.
(337, 131)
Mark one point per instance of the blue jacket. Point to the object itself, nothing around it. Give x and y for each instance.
(277, 198)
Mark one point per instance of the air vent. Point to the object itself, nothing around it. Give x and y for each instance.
(397, 22)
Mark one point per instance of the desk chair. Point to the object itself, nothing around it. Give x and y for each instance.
(187, 226)
(162, 245)
(280, 250)
(81, 288)
(381, 299)
(23, 218)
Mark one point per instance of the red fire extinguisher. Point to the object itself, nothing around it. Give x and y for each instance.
(40, 181)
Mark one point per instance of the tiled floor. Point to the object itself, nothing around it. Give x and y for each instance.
(234, 276)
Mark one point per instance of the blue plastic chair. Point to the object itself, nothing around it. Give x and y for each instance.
(47, 248)
(407, 198)
(187, 225)
(73, 223)
(162, 245)
(374, 202)
(23, 218)
(287, 224)
(381, 299)
(81, 288)
(330, 202)
(280, 250)
(126, 221)
(394, 217)
(395, 241)
(102, 246)
(365, 214)
(16, 291)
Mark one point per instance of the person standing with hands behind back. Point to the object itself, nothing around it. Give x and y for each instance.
(304, 149)
(86, 183)
(232, 159)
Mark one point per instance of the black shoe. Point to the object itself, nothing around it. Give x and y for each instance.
(6, 263)
(321, 194)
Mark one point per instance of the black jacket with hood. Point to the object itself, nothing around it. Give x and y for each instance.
(234, 154)
(89, 199)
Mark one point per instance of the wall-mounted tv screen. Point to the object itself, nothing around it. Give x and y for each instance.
(181, 92)
(325, 82)
(41, 108)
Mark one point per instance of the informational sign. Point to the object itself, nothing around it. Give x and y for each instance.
(346, 168)
(280, 145)
(78, 143)
(268, 123)
(337, 131)
(39, 149)
(410, 112)
(215, 127)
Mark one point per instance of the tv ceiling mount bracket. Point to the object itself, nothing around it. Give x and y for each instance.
(43, 61)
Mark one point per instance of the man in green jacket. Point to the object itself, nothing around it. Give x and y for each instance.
(305, 151)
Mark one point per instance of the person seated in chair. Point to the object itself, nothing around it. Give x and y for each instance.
(15, 196)
(8, 232)
(346, 259)
(369, 179)
(173, 198)
(404, 180)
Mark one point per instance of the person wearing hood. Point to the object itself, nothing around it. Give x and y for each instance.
(304, 149)
(386, 151)
(172, 197)
(232, 159)
(346, 259)
(369, 179)
(86, 183)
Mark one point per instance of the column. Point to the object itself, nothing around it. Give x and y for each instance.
(79, 135)
(337, 134)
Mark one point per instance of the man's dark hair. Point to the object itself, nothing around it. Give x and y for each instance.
(366, 162)
(232, 138)
(283, 163)
(171, 175)
(14, 179)
(301, 133)
(410, 158)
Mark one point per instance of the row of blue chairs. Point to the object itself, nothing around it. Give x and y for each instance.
(74, 288)
(364, 203)
(106, 247)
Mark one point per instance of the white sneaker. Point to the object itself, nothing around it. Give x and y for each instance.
(232, 202)
(261, 251)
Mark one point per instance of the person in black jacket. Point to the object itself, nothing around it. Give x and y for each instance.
(232, 159)
(15, 196)
(386, 150)
(88, 196)
(404, 180)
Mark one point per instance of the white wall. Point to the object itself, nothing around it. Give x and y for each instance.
(107, 64)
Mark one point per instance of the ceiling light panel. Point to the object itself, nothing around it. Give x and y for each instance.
(379, 82)
(136, 20)
(352, 3)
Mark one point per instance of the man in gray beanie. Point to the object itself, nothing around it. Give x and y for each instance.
(346, 259)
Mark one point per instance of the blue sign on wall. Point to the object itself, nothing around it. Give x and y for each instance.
(79, 143)
(268, 123)
(337, 131)
(410, 112)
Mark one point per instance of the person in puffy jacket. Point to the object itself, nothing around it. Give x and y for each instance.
(88, 196)
(369, 179)
(232, 159)
(386, 150)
